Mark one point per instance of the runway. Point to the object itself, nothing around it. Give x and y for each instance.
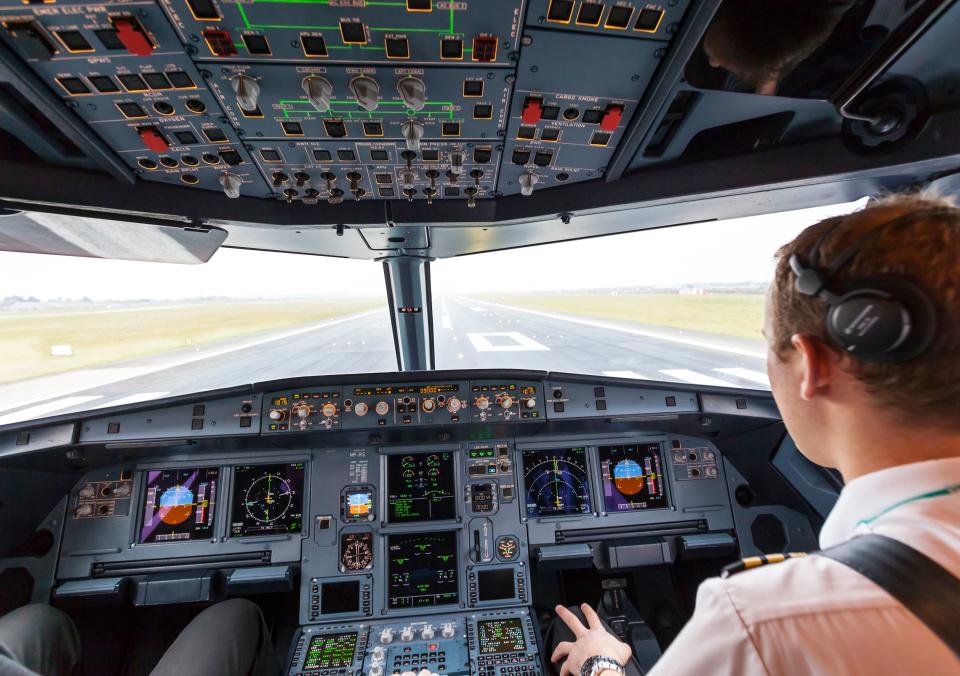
(469, 333)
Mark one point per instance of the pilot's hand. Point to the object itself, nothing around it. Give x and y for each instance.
(591, 640)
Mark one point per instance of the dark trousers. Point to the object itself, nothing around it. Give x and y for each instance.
(227, 639)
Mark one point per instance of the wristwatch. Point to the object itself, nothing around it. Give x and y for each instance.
(598, 663)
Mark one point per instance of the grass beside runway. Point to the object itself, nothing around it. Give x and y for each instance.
(729, 314)
(102, 337)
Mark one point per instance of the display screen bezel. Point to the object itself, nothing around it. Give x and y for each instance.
(142, 503)
(388, 516)
(589, 474)
(455, 537)
(664, 476)
(304, 494)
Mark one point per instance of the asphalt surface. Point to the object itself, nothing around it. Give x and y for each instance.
(469, 334)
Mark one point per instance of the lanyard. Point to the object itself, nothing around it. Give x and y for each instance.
(924, 496)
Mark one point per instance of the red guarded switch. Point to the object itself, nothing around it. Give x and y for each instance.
(612, 117)
(153, 139)
(132, 35)
(532, 111)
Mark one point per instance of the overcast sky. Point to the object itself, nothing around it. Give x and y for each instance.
(733, 251)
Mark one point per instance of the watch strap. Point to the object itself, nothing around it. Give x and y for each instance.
(599, 663)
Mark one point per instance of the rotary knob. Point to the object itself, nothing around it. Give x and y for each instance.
(375, 670)
(506, 401)
(482, 403)
(406, 634)
(361, 408)
(278, 414)
(379, 653)
(413, 92)
(454, 404)
(382, 408)
(247, 90)
(386, 636)
(448, 629)
(329, 409)
(531, 403)
(318, 91)
(429, 405)
(303, 411)
(427, 632)
(367, 92)
(412, 133)
(528, 180)
(231, 184)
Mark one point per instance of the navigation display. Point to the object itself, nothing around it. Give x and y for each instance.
(420, 487)
(267, 499)
(422, 570)
(179, 504)
(331, 651)
(632, 477)
(556, 482)
(501, 636)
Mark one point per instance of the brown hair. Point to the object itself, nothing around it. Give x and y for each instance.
(926, 252)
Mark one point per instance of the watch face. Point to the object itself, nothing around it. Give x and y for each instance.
(597, 664)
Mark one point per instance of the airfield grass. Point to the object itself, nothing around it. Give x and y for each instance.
(730, 314)
(103, 337)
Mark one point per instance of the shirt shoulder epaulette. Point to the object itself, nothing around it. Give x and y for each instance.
(757, 561)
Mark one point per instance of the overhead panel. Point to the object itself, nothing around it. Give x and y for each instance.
(122, 69)
(624, 18)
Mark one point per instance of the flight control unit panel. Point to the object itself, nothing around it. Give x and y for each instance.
(350, 99)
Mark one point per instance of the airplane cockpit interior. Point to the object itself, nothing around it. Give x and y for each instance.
(409, 320)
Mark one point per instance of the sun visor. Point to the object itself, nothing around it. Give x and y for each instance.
(28, 232)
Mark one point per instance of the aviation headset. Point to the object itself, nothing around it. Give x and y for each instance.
(884, 319)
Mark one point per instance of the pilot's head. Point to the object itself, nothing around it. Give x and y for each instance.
(763, 41)
(823, 391)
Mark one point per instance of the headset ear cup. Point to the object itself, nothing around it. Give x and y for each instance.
(883, 320)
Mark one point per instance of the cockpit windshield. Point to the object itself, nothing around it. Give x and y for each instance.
(678, 304)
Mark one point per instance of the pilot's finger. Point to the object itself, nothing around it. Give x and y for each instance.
(571, 621)
(566, 670)
(593, 620)
(562, 650)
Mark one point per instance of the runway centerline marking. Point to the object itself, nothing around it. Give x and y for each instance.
(515, 342)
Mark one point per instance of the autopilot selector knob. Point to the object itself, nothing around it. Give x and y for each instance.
(448, 629)
(376, 670)
(329, 410)
(247, 90)
(367, 92)
(231, 184)
(412, 133)
(319, 91)
(531, 402)
(278, 414)
(429, 405)
(406, 634)
(427, 632)
(413, 92)
(506, 401)
(361, 408)
(386, 636)
(454, 404)
(382, 408)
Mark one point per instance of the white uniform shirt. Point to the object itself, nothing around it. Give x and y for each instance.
(816, 616)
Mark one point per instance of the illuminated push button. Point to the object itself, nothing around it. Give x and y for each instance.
(386, 636)
(361, 408)
(611, 117)
(382, 408)
(406, 634)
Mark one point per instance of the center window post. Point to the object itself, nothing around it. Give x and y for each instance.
(411, 311)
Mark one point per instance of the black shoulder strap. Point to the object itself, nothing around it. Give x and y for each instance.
(922, 585)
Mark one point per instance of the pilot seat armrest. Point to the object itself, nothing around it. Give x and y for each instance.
(554, 557)
(260, 580)
(96, 591)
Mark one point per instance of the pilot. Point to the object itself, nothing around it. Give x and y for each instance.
(230, 638)
(892, 429)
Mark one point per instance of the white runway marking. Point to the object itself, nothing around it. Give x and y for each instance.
(689, 376)
(133, 399)
(520, 343)
(747, 374)
(41, 410)
(625, 374)
(716, 347)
